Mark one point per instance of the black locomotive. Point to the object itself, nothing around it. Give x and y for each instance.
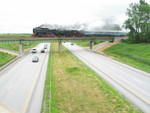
(45, 32)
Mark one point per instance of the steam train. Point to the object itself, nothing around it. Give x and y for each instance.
(46, 32)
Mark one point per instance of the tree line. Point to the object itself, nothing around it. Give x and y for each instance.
(138, 22)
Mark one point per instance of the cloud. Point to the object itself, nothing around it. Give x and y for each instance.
(28, 14)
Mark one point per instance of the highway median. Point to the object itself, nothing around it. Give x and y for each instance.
(72, 87)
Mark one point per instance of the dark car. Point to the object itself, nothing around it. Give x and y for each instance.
(35, 59)
(33, 51)
(42, 50)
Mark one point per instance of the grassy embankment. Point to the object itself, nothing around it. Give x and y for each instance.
(15, 47)
(87, 43)
(136, 55)
(4, 58)
(77, 89)
(15, 35)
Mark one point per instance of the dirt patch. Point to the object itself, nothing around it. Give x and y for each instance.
(105, 47)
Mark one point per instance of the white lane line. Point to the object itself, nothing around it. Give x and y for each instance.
(139, 81)
(6, 109)
(10, 86)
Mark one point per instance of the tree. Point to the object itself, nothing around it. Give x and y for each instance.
(138, 22)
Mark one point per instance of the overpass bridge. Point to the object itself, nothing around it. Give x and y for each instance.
(22, 41)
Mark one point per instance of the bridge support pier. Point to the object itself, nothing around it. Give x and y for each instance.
(119, 39)
(91, 44)
(60, 47)
(21, 49)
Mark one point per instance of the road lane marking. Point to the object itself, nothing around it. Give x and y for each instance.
(138, 81)
(33, 87)
(10, 86)
(135, 93)
(6, 109)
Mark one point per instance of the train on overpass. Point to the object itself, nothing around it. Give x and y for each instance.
(46, 32)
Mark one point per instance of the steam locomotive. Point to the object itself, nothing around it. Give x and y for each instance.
(46, 32)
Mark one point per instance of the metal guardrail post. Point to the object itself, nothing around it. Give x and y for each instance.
(60, 46)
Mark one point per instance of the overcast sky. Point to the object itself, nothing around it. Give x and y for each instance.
(21, 16)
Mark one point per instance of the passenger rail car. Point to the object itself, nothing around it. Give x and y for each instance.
(106, 33)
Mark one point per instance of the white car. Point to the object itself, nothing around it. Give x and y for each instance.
(45, 46)
(33, 51)
(35, 59)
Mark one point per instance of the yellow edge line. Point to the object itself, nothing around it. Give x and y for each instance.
(138, 95)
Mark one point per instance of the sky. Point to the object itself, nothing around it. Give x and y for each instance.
(21, 16)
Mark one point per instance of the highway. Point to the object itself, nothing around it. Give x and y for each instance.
(22, 86)
(132, 83)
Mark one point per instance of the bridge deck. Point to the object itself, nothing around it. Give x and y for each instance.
(58, 39)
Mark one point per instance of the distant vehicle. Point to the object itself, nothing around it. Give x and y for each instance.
(42, 50)
(33, 51)
(35, 59)
(45, 46)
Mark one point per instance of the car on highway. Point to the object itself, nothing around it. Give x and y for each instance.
(45, 46)
(35, 59)
(42, 50)
(33, 51)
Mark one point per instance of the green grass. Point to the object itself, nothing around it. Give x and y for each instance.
(87, 43)
(12, 47)
(136, 55)
(15, 35)
(46, 105)
(77, 89)
(30, 45)
(4, 58)
(15, 47)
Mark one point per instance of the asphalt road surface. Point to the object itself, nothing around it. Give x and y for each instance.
(130, 82)
(21, 87)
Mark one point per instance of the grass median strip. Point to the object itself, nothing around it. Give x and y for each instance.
(78, 89)
(46, 105)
